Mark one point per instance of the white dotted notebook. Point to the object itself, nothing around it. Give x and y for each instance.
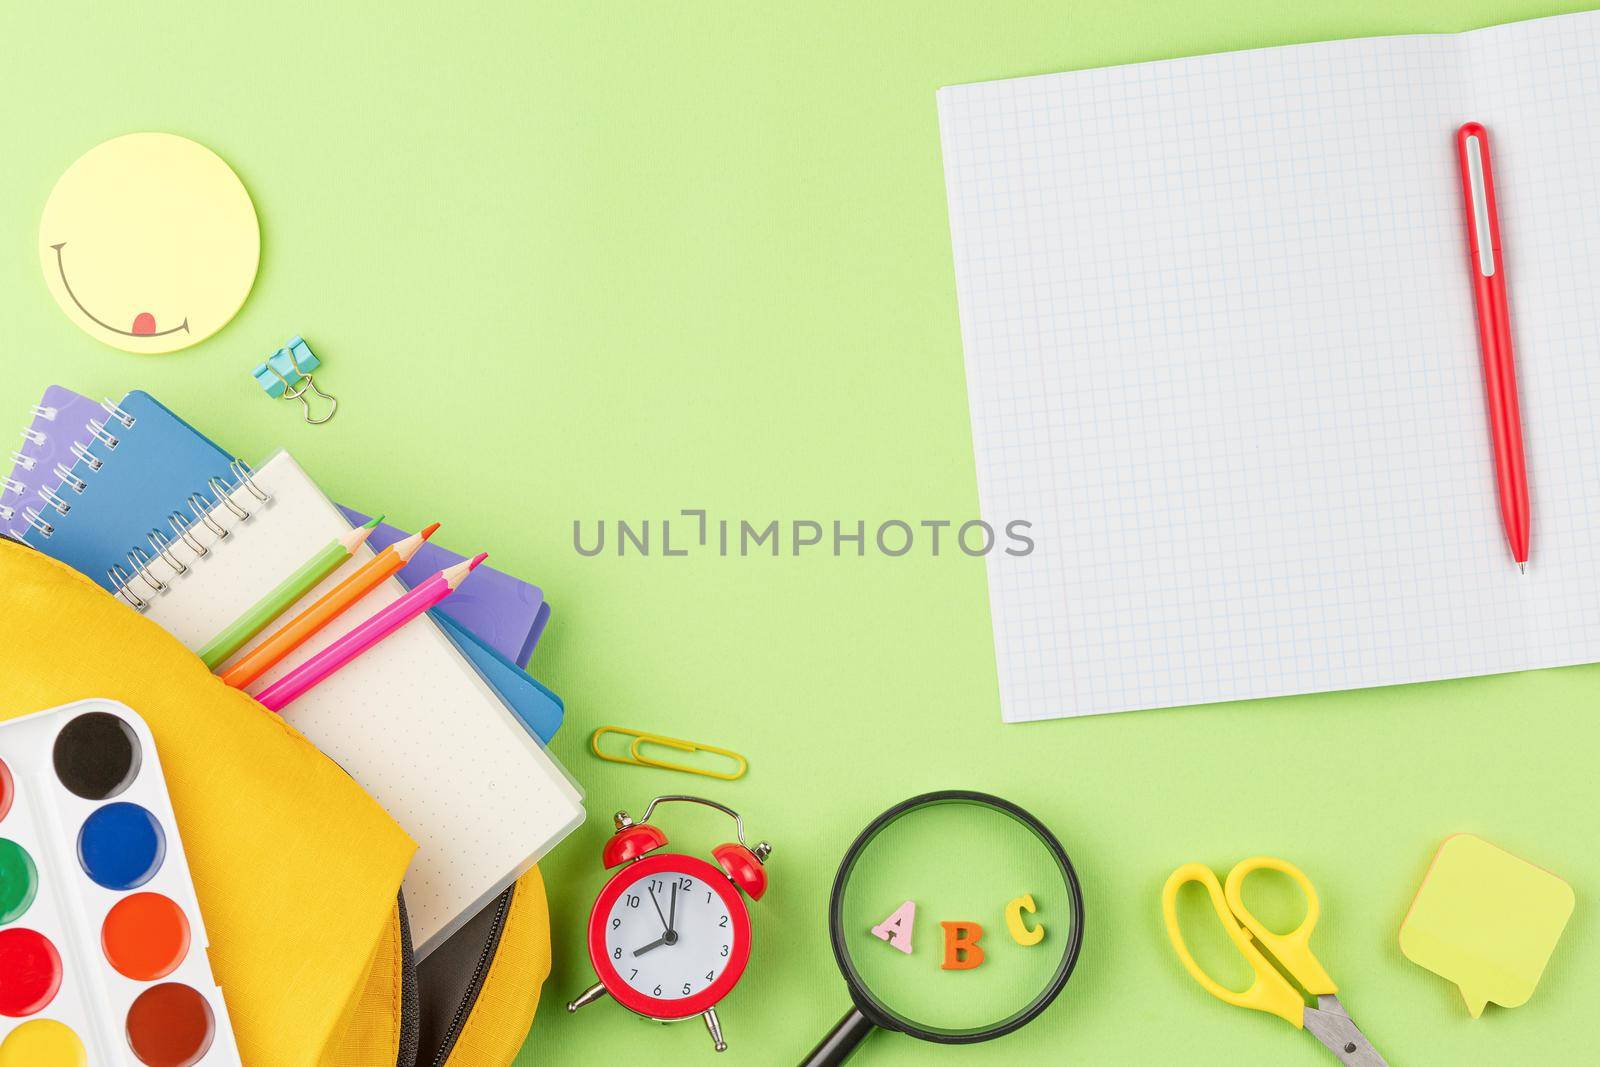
(1220, 350)
(410, 720)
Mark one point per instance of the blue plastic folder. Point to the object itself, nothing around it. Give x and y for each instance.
(539, 710)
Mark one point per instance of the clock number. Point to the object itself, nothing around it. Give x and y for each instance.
(615, 923)
(655, 883)
(658, 991)
(634, 975)
(708, 898)
(686, 884)
(708, 975)
(633, 900)
(686, 989)
(617, 955)
(722, 921)
(724, 950)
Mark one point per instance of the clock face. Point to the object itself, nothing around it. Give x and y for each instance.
(674, 935)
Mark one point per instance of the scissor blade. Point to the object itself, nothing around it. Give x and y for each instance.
(1332, 1025)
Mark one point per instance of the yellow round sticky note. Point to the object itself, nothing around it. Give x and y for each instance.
(42, 1043)
(149, 242)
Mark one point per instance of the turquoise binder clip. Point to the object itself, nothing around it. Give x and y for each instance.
(287, 374)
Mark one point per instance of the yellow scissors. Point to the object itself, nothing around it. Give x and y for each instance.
(1270, 991)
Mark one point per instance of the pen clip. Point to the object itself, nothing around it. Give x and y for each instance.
(1480, 186)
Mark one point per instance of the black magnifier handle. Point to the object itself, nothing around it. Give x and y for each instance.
(841, 1041)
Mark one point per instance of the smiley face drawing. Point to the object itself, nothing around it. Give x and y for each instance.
(149, 242)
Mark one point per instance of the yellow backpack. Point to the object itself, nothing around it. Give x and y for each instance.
(312, 977)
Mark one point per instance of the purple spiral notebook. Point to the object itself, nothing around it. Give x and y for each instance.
(60, 421)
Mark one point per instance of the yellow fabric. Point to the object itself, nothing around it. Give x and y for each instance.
(296, 868)
(503, 1014)
(369, 1033)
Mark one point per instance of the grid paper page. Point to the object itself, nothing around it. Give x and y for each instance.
(1220, 349)
(411, 720)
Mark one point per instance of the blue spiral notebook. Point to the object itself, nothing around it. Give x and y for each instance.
(139, 465)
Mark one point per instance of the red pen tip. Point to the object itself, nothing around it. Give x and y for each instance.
(427, 531)
(475, 560)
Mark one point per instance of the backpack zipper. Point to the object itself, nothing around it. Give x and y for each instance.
(491, 945)
(410, 1003)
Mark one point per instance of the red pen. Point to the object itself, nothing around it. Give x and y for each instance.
(1494, 335)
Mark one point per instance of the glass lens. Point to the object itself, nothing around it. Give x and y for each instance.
(961, 864)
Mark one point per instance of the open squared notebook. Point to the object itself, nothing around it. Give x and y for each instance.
(411, 720)
(1220, 349)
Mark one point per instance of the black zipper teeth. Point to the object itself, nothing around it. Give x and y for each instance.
(410, 994)
(490, 945)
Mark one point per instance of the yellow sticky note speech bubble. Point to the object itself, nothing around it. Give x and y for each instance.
(149, 242)
(1486, 921)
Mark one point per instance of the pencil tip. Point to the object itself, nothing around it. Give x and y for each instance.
(427, 531)
(372, 523)
(357, 536)
(457, 573)
(1523, 567)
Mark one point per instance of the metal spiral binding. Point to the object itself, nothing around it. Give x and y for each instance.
(163, 548)
(97, 430)
(180, 526)
(68, 479)
(117, 413)
(119, 579)
(10, 485)
(31, 517)
(221, 492)
(186, 529)
(140, 561)
(241, 471)
(202, 513)
(53, 498)
(87, 458)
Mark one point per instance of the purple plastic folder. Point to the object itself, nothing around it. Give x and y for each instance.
(507, 613)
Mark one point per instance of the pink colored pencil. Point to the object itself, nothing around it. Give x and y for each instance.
(294, 685)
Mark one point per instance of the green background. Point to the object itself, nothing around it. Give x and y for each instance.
(588, 262)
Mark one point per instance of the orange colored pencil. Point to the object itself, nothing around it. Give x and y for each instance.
(328, 607)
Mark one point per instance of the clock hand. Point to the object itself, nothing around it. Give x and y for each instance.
(653, 944)
(659, 914)
(672, 912)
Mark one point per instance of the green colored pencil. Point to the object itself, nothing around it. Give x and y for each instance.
(284, 596)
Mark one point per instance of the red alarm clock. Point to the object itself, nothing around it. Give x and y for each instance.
(669, 935)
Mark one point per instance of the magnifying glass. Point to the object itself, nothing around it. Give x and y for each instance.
(996, 929)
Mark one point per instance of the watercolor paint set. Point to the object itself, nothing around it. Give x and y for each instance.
(102, 950)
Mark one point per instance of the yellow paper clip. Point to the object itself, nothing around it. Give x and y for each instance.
(635, 758)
